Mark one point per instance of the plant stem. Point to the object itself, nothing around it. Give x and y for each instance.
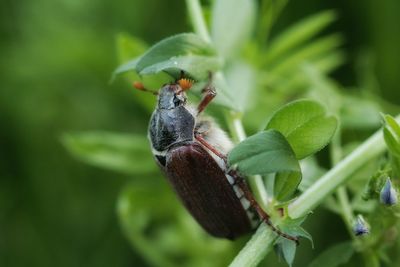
(237, 126)
(337, 176)
(256, 249)
(196, 16)
(341, 193)
(256, 182)
(250, 256)
(347, 211)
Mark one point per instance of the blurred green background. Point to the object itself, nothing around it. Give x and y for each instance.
(56, 59)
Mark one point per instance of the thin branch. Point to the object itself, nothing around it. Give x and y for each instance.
(198, 22)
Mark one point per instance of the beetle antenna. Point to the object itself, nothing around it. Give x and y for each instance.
(140, 86)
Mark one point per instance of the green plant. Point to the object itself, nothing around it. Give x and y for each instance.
(255, 76)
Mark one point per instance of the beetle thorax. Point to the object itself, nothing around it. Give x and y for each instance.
(171, 123)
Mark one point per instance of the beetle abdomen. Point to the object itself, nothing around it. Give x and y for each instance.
(205, 191)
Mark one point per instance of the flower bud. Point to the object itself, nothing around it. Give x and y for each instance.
(360, 227)
(388, 195)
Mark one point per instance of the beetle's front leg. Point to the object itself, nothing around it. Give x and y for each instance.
(208, 95)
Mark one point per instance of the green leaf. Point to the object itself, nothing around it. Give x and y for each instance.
(120, 152)
(315, 50)
(305, 125)
(288, 250)
(391, 142)
(269, 152)
(299, 34)
(293, 228)
(393, 125)
(127, 66)
(269, 12)
(334, 256)
(285, 184)
(391, 134)
(197, 66)
(262, 153)
(137, 209)
(175, 52)
(354, 111)
(232, 24)
(178, 45)
(129, 47)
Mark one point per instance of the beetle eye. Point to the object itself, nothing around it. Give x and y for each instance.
(178, 100)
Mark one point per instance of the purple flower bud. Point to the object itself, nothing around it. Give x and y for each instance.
(360, 227)
(388, 195)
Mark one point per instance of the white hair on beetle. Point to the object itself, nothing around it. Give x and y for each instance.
(216, 137)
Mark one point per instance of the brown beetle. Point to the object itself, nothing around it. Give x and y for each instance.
(191, 151)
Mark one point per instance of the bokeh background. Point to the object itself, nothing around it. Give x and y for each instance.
(56, 59)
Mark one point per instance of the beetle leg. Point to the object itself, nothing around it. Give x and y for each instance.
(239, 181)
(209, 94)
(202, 141)
(261, 213)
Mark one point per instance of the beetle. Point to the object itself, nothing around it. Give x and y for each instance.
(191, 150)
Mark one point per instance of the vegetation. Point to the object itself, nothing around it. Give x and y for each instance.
(333, 150)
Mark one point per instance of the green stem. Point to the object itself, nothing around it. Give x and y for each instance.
(347, 211)
(256, 249)
(256, 182)
(372, 147)
(341, 193)
(198, 22)
(235, 126)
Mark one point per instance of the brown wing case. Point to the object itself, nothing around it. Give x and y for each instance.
(204, 190)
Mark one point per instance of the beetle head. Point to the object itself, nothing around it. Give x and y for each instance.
(171, 96)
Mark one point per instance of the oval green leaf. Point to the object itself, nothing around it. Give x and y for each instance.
(306, 126)
(197, 67)
(263, 153)
(119, 152)
(175, 52)
(178, 45)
